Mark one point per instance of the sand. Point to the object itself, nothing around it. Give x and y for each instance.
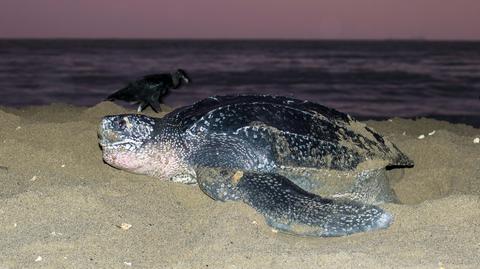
(62, 207)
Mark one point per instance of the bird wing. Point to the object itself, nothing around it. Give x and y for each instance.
(157, 80)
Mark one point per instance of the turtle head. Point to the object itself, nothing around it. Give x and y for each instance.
(123, 139)
(144, 145)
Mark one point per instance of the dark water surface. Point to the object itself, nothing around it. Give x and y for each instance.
(370, 79)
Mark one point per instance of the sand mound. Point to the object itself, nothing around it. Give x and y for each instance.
(60, 202)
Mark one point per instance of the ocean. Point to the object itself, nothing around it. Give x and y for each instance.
(368, 79)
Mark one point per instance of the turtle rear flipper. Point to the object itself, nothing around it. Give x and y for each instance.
(289, 208)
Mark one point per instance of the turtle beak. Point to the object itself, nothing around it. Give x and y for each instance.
(105, 132)
(106, 138)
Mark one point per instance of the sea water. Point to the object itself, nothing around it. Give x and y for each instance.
(368, 79)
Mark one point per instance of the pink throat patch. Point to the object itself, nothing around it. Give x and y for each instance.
(122, 160)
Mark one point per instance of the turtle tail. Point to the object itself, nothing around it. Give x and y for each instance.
(289, 208)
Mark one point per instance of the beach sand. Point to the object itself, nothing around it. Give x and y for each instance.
(62, 207)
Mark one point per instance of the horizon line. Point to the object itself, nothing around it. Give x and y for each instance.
(420, 39)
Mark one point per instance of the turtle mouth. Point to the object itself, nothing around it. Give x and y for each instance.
(127, 144)
(109, 139)
(119, 153)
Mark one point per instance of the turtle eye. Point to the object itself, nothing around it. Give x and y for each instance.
(122, 123)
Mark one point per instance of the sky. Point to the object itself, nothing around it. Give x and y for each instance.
(285, 19)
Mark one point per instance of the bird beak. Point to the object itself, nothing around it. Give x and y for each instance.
(186, 80)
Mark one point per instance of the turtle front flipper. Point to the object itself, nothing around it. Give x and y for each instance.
(290, 209)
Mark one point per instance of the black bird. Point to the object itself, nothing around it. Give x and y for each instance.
(149, 90)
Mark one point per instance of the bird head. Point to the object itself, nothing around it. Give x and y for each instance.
(182, 76)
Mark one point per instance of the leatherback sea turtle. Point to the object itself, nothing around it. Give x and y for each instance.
(149, 90)
(310, 170)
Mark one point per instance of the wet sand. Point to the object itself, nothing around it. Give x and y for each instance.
(62, 207)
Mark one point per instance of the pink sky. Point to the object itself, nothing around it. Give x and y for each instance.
(358, 19)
